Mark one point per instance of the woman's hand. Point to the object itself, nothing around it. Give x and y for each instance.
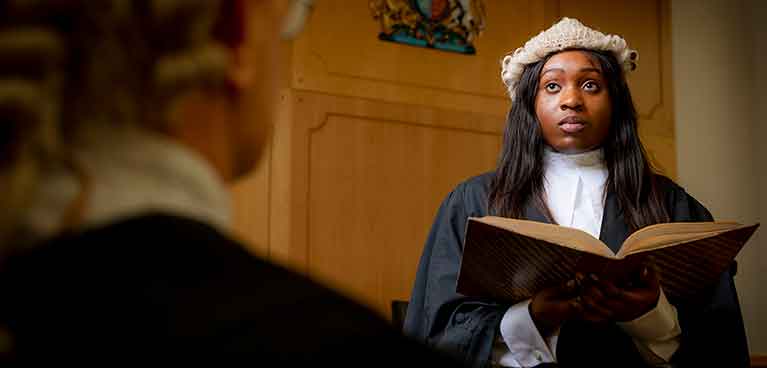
(603, 301)
(551, 307)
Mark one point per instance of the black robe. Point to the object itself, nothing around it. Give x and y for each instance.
(712, 334)
(169, 288)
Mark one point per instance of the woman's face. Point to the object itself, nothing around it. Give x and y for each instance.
(572, 103)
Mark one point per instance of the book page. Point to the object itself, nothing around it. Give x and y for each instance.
(560, 235)
(669, 234)
(689, 268)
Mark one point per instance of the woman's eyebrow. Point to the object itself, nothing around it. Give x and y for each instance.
(552, 70)
(596, 70)
(582, 70)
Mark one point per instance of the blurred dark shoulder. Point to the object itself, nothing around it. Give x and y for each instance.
(172, 286)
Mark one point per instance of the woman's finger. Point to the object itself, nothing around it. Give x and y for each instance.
(609, 289)
(594, 310)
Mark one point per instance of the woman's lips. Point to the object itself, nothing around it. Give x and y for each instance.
(572, 125)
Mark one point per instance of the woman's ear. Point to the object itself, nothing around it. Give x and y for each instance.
(240, 74)
(230, 29)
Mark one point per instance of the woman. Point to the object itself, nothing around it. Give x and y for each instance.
(572, 156)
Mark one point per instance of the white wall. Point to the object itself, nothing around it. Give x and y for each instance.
(720, 108)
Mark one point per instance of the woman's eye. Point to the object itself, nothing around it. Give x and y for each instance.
(591, 86)
(552, 87)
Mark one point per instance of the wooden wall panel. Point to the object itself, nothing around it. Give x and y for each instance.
(365, 182)
(374, 187)
(339, 53)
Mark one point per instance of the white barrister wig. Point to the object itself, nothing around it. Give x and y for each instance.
(568, 33)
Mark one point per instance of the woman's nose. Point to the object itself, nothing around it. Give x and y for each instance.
(571, 99)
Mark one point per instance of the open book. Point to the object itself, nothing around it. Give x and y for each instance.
(511, 259)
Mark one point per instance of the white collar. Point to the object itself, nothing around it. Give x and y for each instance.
(574, 186)
(563, 160)
(133, 172)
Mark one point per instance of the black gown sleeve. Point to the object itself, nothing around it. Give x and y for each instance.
(437, 315)
(713, 333)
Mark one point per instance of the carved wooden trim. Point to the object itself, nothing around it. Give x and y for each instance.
(308, 120)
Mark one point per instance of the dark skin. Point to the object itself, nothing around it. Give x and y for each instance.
(589, 298)
(572, 103)
(574, 110)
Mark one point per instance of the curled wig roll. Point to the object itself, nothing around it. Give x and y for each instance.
(67, 65)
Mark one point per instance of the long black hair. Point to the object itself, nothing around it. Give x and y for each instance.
(519, 176)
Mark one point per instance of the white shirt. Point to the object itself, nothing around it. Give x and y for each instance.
(575, 195)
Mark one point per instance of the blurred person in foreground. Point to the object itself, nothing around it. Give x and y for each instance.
(121, 128)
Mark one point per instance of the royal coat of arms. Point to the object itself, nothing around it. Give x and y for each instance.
(450, 25)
